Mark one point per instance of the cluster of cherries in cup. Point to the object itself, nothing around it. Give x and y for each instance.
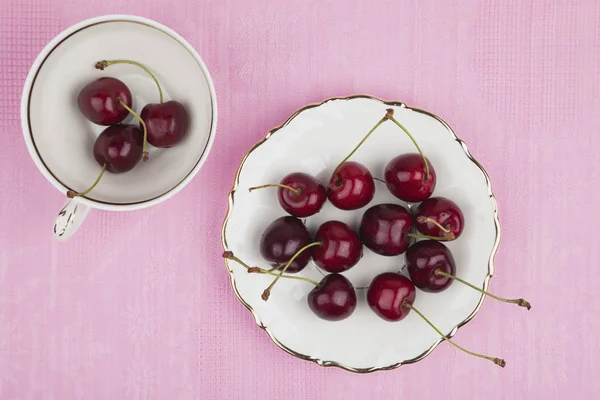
(386, 229)
(107, 101)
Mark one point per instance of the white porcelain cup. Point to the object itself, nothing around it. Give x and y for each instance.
(60, 139)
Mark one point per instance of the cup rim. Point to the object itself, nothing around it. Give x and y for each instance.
(28, 86)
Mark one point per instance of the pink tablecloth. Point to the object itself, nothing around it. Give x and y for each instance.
(139, 305)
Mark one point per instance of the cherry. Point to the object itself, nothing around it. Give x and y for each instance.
(104, 101)
(333, 299)
(391, 296)
(351, 186)
(282, 239)
(300, 194)
(117, 149)
(431, 267)
(384, 229)
(340, 249)
(407, 178)
(388, 295)
(439, 216)
(423, 259)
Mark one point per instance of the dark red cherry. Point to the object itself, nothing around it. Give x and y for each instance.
(405, 178)
(282, 239)
(334, 299)
(119, 147)
(340, 249)
(388, 295)
(385, 229)
(423, 259)
(351, 186)
(167, 123)
(300, 194)
(439, 216)
(99, 102)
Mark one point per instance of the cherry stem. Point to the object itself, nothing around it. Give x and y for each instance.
(449, 236)
(136, 115)
(391, 118)
(103, 64)
(519, 302)
(71, 193)
(295, 190)
(229, 255)
(267, 292)
(498, 361)
(423, 220)
(381, 121)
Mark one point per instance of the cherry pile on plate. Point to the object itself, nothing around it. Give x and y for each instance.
(387, 229)
(107, 101)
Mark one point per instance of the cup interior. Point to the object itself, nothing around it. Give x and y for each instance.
(63, 138)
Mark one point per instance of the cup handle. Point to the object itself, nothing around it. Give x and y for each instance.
(69, 219)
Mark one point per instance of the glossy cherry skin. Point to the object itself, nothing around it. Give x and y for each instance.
(384, 229)
(282, 239)
(334, 299)
(310, 200)
(167, 123)
(442, 210)
(405, 178)
(119, 147)
(340, 249)
(352, 186)
(423, 259)
(98, 101)
(388, 294)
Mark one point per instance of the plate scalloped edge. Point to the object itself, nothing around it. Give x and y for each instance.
(326, 363)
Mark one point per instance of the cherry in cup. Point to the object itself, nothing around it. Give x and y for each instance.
(439, 216)
(117, 149)
(299, 194)
(391, 297)
(105, 101)
(432, 268)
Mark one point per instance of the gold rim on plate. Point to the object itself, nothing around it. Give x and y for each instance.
(326, 363)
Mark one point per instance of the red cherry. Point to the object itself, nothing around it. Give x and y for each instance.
(405, 177)
(282, 239)
(300, 194)
(439, 216)
(389, 294)
(167, 123)
(340, 249)
(385, 229)
(351, 187)
(426, 257)
(101, 101)
(334, 299)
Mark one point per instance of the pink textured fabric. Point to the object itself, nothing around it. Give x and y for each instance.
(139, 305)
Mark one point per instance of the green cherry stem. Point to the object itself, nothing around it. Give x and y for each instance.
(137, 116)
(519, 302)
(423, 220)
(104, 63)
(296, 191)
(267, 292)
(381, 121)
(449, 236)
(391, 118)
(72, 193)
(229, 255)
(498, 361)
